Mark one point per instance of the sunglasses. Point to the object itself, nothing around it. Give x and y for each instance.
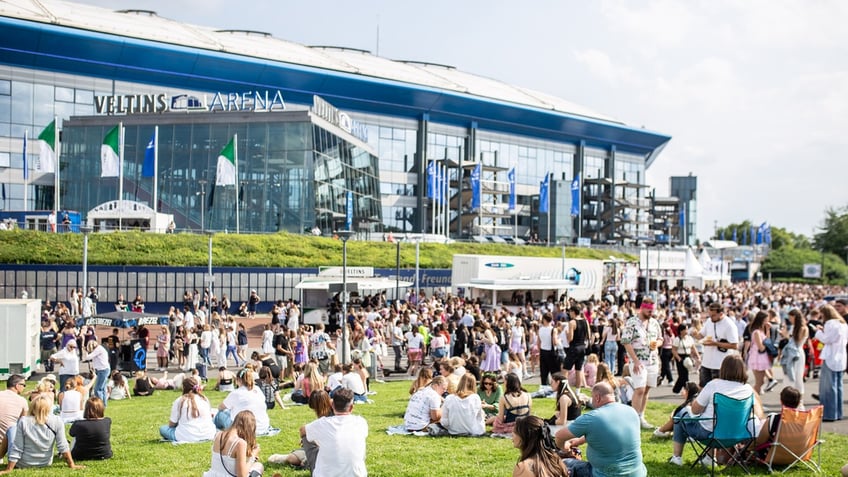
(488, 384)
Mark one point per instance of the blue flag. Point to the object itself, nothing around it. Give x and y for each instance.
(761, 233)
(722, 234)
(26, 166)
(431, 180)
(575, 196)
(753, 233)
(149, 166)
(475, 186)
(511, 178)
(544, 194)
(734, 235)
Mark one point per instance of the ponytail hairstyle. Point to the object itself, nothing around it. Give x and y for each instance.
(191, 389)
(245, 377)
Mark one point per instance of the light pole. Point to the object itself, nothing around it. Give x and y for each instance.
(563, 258)
(85, 229)
(202, 194)
(210, 279)
(397, 270)
(344, 235)
(417, 262)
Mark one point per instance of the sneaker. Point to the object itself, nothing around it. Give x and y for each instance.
(676, 460)
(661, 434)
(646, 424)
(707, 461)
(771, 385)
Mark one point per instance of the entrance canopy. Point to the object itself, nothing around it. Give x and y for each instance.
(364, 284)
(130, 214)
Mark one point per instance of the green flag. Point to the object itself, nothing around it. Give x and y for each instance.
(109, 156)
(226, 171)
(46, 142)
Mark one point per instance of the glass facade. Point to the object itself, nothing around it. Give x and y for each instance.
(292, 174)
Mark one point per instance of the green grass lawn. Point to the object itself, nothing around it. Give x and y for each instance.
(138, 451)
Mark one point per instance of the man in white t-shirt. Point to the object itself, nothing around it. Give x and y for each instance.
(340, 439)
(425, 406)
(721, 338)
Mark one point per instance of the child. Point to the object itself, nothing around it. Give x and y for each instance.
(689, 393)
(268, 385)
(590, 369)
(789, 397)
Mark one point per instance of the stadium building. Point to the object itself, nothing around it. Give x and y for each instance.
(326, 136)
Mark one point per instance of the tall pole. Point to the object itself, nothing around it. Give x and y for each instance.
(210, 278)
(344, 235)
(57, 166)
(202, 193)
(563, 259)
(156, 169)
(25, 169)
(85, 229)
(235, 158)
(397, 270)
(417, 261)
(121, 176)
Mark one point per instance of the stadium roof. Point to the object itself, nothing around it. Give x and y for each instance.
(140, 46)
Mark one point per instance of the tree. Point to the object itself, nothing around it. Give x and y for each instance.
(833, 237)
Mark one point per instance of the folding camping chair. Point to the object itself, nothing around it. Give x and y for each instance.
(733, 430)
(798, 434)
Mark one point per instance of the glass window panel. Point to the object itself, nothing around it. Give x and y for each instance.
(5, 87)
(64, 94)
(84, 96)
(22, 102)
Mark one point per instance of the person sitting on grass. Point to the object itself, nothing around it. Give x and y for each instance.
(143, 385)
(532, 437)
(425, 406)
(462, 413)
(71, 402)
(191, 416)
(307, 382)
(353, 381)
(246, 397)
(688, 393)
(514, 403)
(226, 380)
(340, 438)
(35, 437)
(92, 434)
(235, 451)
(320, 402)
(117, 388)
(425, 377)
(269, 387)
(490, 393)
(569, 404)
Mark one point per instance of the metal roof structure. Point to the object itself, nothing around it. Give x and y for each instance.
(140, 46)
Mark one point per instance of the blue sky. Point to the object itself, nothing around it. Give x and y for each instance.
(754, 93)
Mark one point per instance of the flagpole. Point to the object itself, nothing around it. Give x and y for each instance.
(156, 168)
(57, 166)
(235, 158)
(120, 175)
(25, 171)
(549, 207)
(433, 199)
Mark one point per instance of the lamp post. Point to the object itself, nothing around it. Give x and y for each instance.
(563, 258)
(202, 194)
(210, 279)
(85, 229)
(397, 270)
(417, 240)
(344, 235)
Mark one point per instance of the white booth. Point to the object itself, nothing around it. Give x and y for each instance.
(127, 215)
(20, 327)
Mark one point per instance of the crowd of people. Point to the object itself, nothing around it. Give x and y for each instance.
(599, 360)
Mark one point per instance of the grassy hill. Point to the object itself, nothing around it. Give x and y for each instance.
(276, 250)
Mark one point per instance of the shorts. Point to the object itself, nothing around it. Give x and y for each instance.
(574, 357)
(648, 375)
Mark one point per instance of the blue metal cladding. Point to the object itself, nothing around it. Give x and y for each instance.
(74, 51)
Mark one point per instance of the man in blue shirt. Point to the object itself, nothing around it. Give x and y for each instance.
(612, 432)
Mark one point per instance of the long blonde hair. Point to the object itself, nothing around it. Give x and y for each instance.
(40, 407)
(311, 372)
(467, 386)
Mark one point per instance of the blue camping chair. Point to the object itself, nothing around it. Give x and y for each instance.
(733, 430)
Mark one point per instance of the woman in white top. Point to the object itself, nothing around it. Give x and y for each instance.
(683, 348)
(462, 413)
(71, 403)
(191, 357)
(793, 356)
(191, 416)
(267, 340)
(117, 388)
(234, 451)
(245, 397)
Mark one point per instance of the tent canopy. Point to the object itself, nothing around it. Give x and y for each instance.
(366, 284)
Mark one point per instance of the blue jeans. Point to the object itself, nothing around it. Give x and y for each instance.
(204, 355)
(578, 468)
(10, 437)
(168, 433)
(231, 350)
(684, 429)
(610, 354)
(102, 378)
(830, 392)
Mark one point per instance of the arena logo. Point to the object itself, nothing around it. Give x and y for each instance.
(257, 101)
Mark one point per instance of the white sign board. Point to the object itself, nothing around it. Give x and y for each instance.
(812, 270)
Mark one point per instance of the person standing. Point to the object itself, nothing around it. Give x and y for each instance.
(68, 360)
(547, 356)
(683, 348)
(47, 339)
(252, 303)
(340, 438)
(12, 407)
(641, 337)
(720, 338)
(834, 334)
(793, 357)
(98, 356)
(51, 222)
(611, 432)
